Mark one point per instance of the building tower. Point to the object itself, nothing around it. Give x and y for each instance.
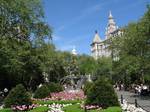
(100, 48)
(95, 46)
(111, 27)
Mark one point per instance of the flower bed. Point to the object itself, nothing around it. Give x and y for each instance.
(60, 102)
(57, 107)
(23, 107)
(67, 95)
(130, 107)
(64, 95)
(77, 108)
(91, 107)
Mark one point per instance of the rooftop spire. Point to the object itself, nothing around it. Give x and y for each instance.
(96, 37)
(111, 27)
(95, 31)
(110, 15)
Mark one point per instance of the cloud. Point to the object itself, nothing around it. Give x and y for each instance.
(131, 5)
(66, 47)
(79, 39)
(56, 37)
(84, 13)
(60, 28)
(75, 42)
(92, 9)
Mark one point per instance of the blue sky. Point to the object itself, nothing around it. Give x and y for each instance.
(75, 21)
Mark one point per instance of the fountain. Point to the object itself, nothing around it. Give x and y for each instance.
(74, 83)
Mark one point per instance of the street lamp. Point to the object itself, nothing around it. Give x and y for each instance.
(45, 77)
(3, 93)
(125, 80)
(5, 90)
(142, 76)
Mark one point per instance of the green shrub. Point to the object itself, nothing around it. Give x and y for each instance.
(17, 96)
(54, 87)
(147, 79)
(87, 87)
(42, 92)
(102, 93)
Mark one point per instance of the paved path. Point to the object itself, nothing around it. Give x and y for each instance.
(144, 102)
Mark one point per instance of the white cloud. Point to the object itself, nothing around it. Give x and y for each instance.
(60, 28)
(92, 9)
(66, 47)
(56, 37)
(84, 13)
(75, 42)
(78, 39)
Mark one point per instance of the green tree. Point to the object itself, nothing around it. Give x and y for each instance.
(104, 67)
(102, 93)
(42, 92)
(20, 61)
(87, 65)
(134, 50)
(19, 64)
(21, 18)
(17, 96)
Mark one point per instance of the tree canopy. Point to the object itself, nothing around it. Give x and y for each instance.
(22, 19)
(134, 50)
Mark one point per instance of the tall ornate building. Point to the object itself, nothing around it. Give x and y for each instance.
(99, 47)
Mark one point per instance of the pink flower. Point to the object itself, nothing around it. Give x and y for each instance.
(23, 107)
(67, 95)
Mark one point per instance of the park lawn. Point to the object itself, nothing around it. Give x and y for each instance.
(112, 109)
(77, 108)
(57, 102)
(38, 109)
(73, 108)
(6, 110)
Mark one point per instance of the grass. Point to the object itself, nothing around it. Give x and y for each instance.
(58, 102)
(112, 109)
(6, 110)
(73, 108)
(77, 108)
(44, 109)
(38, 109)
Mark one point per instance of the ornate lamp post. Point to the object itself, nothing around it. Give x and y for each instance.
(5, 90)
(125, 80)
(3, 94)
(45, 77)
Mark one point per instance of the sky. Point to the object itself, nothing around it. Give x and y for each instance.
(74, 21)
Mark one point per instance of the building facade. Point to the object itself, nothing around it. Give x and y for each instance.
(99, 47)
